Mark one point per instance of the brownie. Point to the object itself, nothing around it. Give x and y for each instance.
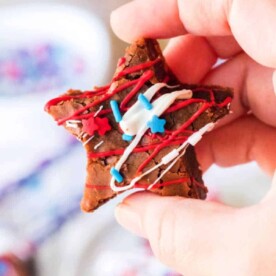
(144, 119)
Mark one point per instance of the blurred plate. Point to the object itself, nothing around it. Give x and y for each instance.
(36, 38)
(32, 31)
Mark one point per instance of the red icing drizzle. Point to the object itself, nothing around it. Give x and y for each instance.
(144, 186)
(136, 68)
(86, 94)
(141, 81)
(168, 139)
(156, 186)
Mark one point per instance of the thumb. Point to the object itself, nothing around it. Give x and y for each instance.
(271, 195)
(174, 227)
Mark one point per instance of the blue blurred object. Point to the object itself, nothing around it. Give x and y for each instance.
(32, 180)
(59, 217)
(38, 68)
(42, 170)
(4, 268)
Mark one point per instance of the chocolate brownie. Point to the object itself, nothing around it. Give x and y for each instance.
(139, 130)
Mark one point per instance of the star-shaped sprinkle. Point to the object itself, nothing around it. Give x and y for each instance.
(89, 126)
(156, 124)
(103, 124)
(96, 124)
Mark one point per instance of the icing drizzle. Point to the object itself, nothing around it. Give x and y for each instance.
(135, 119)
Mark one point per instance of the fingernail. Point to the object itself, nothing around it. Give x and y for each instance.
(129, 219)
(271, 195)
(274, 180)
(274, 81)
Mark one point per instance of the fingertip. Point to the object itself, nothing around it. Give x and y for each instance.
(117, 212)
(113, 20)
(136, 198)
(147, 18)
(130, 211)
(117, 17)
(134, 209)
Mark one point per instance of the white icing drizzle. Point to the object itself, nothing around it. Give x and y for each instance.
(137, 115)
(98, 145)
(134, 122)
(174, 155)
(98, 111)
(72, 123)
(124, 157)
(192, 140)
(88, 140)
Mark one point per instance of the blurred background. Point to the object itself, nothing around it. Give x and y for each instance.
(47, 47)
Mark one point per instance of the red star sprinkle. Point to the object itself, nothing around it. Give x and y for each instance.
(89, 126)
(92, 124)
(103, 125)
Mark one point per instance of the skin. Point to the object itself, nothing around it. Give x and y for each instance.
(194, 237)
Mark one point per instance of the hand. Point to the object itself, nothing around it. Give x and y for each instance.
(205, 238)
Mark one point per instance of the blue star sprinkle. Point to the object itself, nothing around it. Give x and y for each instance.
(156, 124)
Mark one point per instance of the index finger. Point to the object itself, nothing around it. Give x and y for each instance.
(251, 22)
(153, 19)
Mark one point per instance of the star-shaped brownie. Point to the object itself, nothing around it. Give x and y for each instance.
(139, 131)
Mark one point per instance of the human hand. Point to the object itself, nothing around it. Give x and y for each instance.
(205, 238)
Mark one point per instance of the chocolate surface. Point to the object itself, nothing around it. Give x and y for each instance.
(142, 66)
